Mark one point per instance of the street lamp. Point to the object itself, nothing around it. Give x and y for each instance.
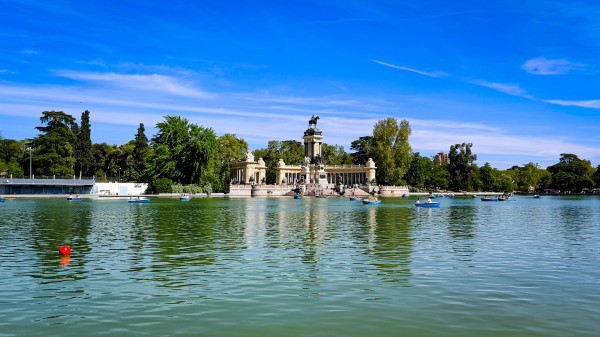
(29, 148)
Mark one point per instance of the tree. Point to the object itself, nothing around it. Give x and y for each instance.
(185, 153)
(529, 177)
(230, 148)
(390, 149)
(140, 152)
(571, 174)
(461, 167)
(12, 157)
(291, 151)
(438, 176)
(54, 148)
(596, 177)
(361, 148)
(83, 146)
(489, 177)
(335, 155)
(416, 175)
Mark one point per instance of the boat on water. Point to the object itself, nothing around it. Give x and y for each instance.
(297, 196)
(321, 196)
(371, 202)
(433, 204)
(474, 196)
(355, 198)
(185, 197)
(537, 196)
(2, 199)
(73, 198)
(489, 199)
(139, 201)
(405, 195)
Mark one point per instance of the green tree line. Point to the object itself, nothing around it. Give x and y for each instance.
(184, 156)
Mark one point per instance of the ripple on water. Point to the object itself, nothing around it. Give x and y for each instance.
(255, 267)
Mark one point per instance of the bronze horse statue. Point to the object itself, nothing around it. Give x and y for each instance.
(313, 121)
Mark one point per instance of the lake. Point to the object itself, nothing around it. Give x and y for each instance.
(308, 267)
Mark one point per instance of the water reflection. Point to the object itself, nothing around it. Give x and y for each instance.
(390, 242)
(461, 228)
(331, 267)
(57, 223)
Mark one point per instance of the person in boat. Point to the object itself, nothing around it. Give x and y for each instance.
(418, 201)
(429, 200)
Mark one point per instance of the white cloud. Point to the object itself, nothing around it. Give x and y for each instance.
(592, 104)
(421, 72)
(507, 88)
(544, 66)
(153, 82)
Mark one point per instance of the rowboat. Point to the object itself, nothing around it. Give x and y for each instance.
(2, 199)
(321, 196)
(139, 201)
(371, 202)
(428, 204)
(73, 198)
(488, 199)
(297, 196)
(355, 198)
(185, 198)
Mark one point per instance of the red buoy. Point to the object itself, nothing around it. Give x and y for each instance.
(64, 250)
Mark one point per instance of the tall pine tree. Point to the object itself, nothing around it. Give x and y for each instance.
(83, 149)
(139, 151)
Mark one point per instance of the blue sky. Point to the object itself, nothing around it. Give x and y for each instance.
(518, 79)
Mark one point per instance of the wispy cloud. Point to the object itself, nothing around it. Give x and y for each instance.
(421, 72)
(152, 82)
(29, 52)
(544, 66)
(592, 104)
(507, 88)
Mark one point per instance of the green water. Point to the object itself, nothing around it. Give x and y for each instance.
(309, 267)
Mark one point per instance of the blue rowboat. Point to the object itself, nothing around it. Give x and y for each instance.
(371, 202)
(185, 198)
(428, 204)
(139, 201)
(355, 198)
(73, 198)
(297, 196)
(321, 196)
(2, 199)
(489, 199)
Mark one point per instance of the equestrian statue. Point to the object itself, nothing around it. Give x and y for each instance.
(312, 123)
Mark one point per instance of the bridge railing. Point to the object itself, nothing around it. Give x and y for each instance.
(48, 181)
